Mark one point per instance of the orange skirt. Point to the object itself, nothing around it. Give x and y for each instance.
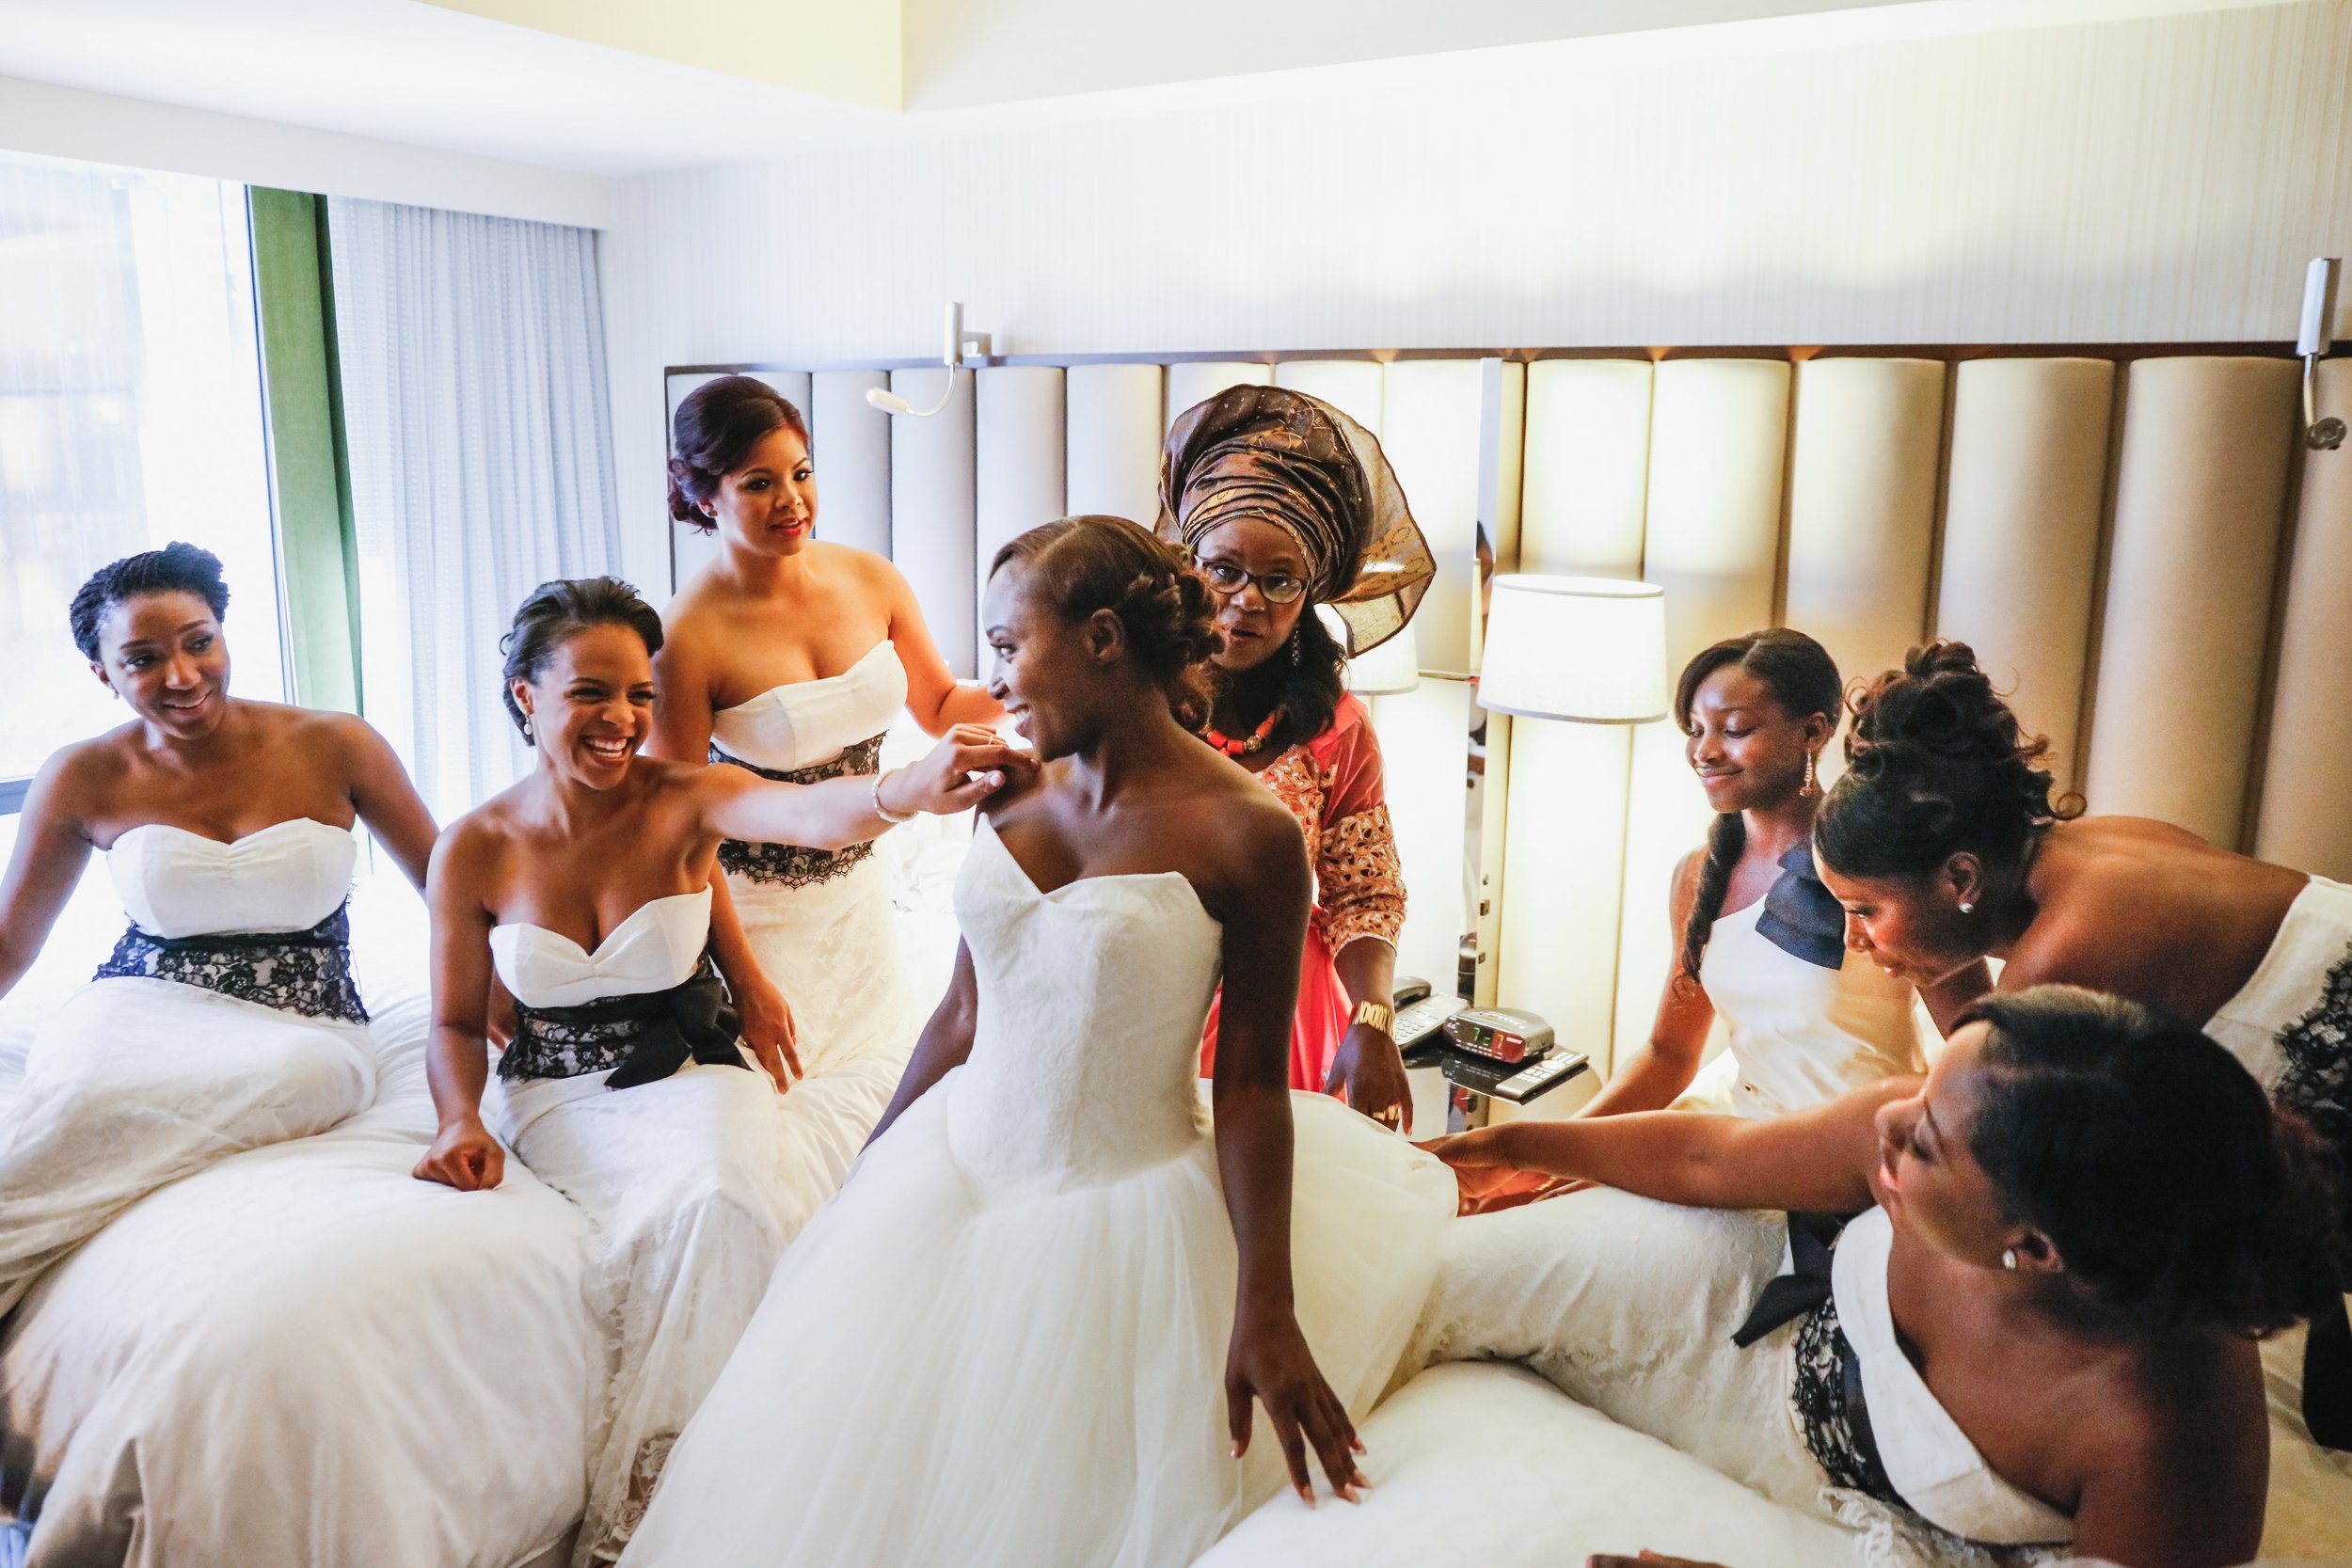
(1317, 1026)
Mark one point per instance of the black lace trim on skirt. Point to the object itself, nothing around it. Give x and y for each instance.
(797, 864)
(296, 972)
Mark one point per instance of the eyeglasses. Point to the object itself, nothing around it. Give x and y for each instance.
(1229, 579)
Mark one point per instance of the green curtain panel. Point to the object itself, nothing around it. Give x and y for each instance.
(310, 465)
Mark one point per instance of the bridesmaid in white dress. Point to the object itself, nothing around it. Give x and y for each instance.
(1806, 1020)
(790, 657)
(1032, 1327)
(587, 885)
(227, 1017)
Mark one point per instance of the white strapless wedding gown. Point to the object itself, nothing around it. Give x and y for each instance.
(683, 1180)
(821, 924)
(180, 1055)
(1004, 1343)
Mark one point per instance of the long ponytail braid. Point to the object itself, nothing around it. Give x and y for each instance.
(1802, 679)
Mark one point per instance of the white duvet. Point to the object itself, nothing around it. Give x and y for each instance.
(301, 1356)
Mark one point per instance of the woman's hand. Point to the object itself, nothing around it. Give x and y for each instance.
(1269, 1362)
(1488, 1181)
(1371, 1070)
(769, 1030)
(465, 1156)
(970, 764)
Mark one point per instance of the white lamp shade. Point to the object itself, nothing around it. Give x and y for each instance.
(1393, 667)
(1588, 649)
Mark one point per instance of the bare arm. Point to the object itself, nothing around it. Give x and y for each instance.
(1262, 908)
(944, 1043)
(52, 849)
(389, 803)
(1818, 1159)
(2196, 1502)
(839, 813)
(1665, 1066)
(938, 701)
(682, 722)
(464, 1155)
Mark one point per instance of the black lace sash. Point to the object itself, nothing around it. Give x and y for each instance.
(643, 1038)
(1831, 1410)
(797, 864)
(299, 971)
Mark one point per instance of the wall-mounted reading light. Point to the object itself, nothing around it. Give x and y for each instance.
(2315, 338)
(962, 348)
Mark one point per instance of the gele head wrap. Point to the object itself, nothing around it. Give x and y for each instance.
(1300, 464)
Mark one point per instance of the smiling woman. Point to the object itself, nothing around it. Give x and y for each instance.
(586, 889)
(227, 825)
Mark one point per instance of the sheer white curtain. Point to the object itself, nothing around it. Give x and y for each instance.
(473, 382)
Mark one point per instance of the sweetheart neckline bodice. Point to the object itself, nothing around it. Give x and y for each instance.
(785, 691)
(175, 883)
(655, 947)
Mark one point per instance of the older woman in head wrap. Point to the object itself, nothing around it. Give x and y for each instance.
(1285, 503)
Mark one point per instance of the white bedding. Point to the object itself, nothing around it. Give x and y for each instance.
(302, 1355)
(1486, 1464)
(1627, 1305)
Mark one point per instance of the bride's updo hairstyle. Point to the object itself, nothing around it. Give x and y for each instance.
(1936, 764)
(2173, 1192)
(177, 568)
(1082, 564)
(718, 424)
(558, 611)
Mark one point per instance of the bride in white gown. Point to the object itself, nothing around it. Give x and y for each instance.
(226, 1018)
(1032, 1327)
(625, 1087)
(789, 657)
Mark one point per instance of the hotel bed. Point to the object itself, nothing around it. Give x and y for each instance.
(1484, 1461)
(302, 1355)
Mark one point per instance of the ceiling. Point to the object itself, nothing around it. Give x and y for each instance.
(620, 87)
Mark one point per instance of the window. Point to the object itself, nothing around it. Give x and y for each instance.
(130, 414)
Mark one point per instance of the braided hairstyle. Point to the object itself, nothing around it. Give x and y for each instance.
(1802, 679)
(1936, 764)
(178, 567)
(555, 613)
(717, 425)
(2174, 1193)
(1085, 563)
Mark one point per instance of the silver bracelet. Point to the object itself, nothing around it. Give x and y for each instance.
(885, 812)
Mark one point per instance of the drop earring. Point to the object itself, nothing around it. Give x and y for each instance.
(527, 735)
(1811, 786)
(1293, 647)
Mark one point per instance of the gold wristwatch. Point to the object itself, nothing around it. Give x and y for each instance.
(1378, 1014)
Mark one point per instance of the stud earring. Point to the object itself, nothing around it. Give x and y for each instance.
(2009, 1257)
(1967, 908)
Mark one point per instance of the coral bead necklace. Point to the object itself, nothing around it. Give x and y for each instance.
(1248, 744)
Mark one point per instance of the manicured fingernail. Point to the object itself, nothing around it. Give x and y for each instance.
(1237, 1451)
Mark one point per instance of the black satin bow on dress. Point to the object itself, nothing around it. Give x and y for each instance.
(1812, 1243)
(1800, 917)
(661, 1030)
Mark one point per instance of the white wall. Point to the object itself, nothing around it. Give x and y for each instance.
(2158, 180)
(96, 127)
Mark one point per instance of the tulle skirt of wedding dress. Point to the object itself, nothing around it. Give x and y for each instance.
(133, 1083)
(1036, 1379)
